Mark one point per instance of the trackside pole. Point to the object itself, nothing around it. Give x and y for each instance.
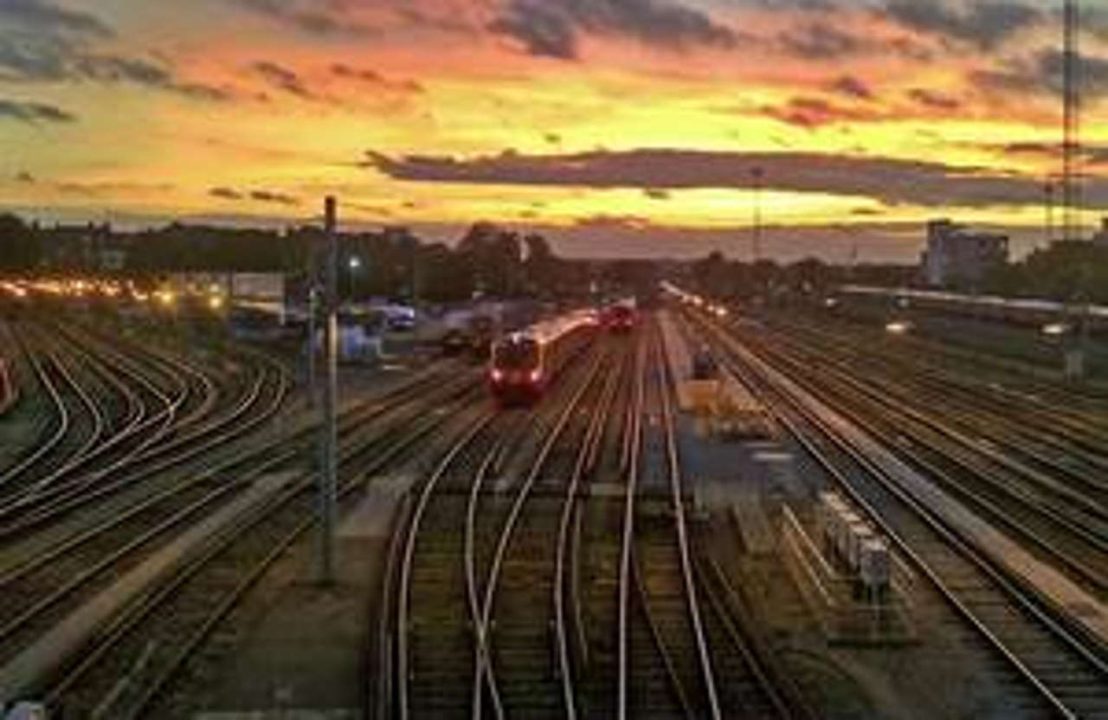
(313, 320)
(329, 427)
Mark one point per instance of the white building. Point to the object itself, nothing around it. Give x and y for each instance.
(958, 255)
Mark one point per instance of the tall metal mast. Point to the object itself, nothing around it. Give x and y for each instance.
(1048, 204)
(1073, 176)
(1071, 144)
(756, 245)
(328, 476)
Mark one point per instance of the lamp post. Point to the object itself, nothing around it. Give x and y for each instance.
(328, 476)
(354, 265)
(1048, 197)
(758, 175)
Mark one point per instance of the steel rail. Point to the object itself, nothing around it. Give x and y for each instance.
(484, 670)
(1093, 543)
(570, 509)
(384, 447)
(632, 448)
(950, 537)
(678, 499)
(408, 557)
(60, 410)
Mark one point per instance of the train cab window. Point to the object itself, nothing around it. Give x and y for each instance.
(517, 355)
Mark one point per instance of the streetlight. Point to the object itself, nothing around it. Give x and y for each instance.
(758, 175)
(355, 265)
(1055, 329)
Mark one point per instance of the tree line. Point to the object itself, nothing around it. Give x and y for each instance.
(487, 260)
(498, 262)
(1065, 272)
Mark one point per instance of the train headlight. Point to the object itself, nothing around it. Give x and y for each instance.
(535, 376)
(496, 375)
(898, 327)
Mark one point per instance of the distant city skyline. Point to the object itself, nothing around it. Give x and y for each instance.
(629, 127)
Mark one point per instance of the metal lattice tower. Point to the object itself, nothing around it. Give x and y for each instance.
(756, 239)
(1048, 204)
(1071, 143)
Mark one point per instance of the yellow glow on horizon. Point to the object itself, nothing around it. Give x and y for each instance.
(153, 152)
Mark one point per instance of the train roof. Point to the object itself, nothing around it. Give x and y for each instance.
(1025, 304)
(547, 331)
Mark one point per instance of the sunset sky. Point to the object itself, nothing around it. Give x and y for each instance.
(615, 126)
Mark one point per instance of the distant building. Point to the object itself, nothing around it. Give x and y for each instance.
(87, 247)
(957, 255)
(1101, 238)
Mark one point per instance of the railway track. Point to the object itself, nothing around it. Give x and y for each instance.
(1047, 669)
(488, 613)
(56, 427)
(1067, 527)
(595, 549)
(627, 582)
(10, 388)
(1075, 418)
(689, 649)
(166, 627)
(433, 637)
(114, 380)
(667, 596)
(571, 645)
(44, 584)
(428, 656)
(750, 686)
(516, 631)
(1038, 378)
(1037, 426)
(119, 425)
(121, 466)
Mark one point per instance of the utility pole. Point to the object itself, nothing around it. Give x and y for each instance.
(756, 245)
(1071, 166)
(1071, 120)
(415, 275)
(1048, 198)
(313, 310)
(328, 476)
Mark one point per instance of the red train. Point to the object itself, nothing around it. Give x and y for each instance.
(619, 318)
(522, 364)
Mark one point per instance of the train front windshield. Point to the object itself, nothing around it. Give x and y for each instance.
(517, 355)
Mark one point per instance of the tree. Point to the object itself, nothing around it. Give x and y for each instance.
(493, 257)
(809, 276)
(1066, 271)
(715, 276)
(20, 246)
